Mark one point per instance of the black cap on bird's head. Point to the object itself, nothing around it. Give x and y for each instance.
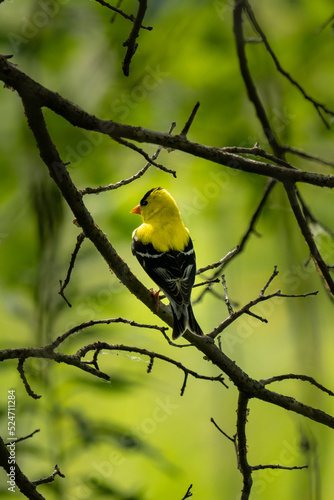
(143, 201)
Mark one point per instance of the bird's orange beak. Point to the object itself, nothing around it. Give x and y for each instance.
(136, 210)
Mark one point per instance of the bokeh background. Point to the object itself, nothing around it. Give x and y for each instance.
(136, 438)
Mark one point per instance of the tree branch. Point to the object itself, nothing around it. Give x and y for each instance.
(98, 346)
(306, 378)
(134, 177)
(320, 265)
(64, 284)
(131, 43)
(318, 105)
(37, 96)
(50, 478)
(23, 483)
(233, 315)
(121, 13)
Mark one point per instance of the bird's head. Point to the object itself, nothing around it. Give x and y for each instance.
(156, 202)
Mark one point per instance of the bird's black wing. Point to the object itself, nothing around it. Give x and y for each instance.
(173, 271)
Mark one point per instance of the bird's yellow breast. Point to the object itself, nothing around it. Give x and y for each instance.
(164, 236)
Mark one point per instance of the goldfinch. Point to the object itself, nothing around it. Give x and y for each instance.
(164, 248)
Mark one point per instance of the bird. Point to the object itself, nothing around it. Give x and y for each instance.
(164, 249)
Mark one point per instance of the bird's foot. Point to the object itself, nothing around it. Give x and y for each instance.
(156, 298)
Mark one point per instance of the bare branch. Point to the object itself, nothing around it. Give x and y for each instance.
(23, 483)
(98, 346)
(318, 105)
(131, 43)
(145, 155)
(320, 265)
(257, 151)
(243, 465)
(249, 83)
(35, 95)
(246, 308)
(88, 324)
(294, 467)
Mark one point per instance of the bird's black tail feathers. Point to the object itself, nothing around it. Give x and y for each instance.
(184, 320)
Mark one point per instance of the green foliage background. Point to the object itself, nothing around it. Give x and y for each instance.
(136, 438)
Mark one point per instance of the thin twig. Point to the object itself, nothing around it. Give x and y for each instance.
(221, 430)
(257, 151)
(145, 155)
(306, 378)
(88, 324)
(98, 346)
(25, 437)
(24, 379)
(131, 43)
(227, 300)
(294, 467)
(124, 182)
(320, 265)
(188, 493)
(318, 105)
(210, 281)
(248, 80)
(239, 248)
(307, 156)
(326, 23)
(64, 284)
(191, 118)
(50, 478)
(272, 277)
(223, 261)
(116, 185)
(116, 10)
(246, 308)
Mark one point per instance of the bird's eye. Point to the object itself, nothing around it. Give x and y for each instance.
(144, 203)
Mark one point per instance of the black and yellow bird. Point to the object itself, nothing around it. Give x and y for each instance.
(164, 248)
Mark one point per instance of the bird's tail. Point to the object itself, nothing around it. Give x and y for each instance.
(184, 320)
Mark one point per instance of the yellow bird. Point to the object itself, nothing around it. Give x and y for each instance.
(164, 248)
